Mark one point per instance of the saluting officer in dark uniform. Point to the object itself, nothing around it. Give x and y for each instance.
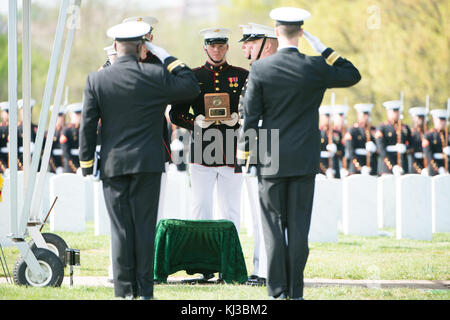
(391, 145)
(69, 138)
(4, 132)
(331, 147)
(360, 142)
(215, 76)
(286, 90)
(418, 161)
(436, 144)
(130, 97)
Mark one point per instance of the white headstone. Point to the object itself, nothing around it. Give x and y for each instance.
(440, 200)
(178, 195)
(360, 205)
(327, 210)
(413, 207)
(386, 201)
(69, 212)
(102, 224)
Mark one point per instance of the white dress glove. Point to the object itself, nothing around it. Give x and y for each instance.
(441, 170)
(314, 42)
(446, 150)
(176, 145)
(365, 170)
(202, 123)
(331, 148)
(330, 173)
(424, 172)
(397, 170)
(371, 147)
(157, 51)
(401, 148)
(232, 122)
(343, 172)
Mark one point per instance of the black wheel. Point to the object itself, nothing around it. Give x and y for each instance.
(55, 244)
(50, 262)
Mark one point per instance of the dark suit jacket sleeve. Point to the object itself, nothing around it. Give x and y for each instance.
(253, 109)
(88, 129)
(180, 82)
(341, 73)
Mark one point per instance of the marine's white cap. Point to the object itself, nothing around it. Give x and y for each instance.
(393, 105)
(260, 31)
(110, 51)
(147, 19)
(418, 111)
(128, 31)
(289, 15)
(76, 107)
(61, 111)
(363, 107)
(246, 31)
(439, 113)
(340, 109)
(325, 109)
(4, 106)
(215, 35)
(20, 103)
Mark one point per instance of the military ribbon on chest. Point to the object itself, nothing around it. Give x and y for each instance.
(233, 82)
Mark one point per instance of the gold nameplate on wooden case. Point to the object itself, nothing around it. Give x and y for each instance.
(217, 106)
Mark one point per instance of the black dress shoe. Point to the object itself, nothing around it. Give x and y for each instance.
(207, 276)
(281, 296)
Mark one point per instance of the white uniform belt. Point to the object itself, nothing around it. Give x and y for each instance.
(57, 152)
(74, 152)
(438, 156)
(418, 155)
(324, 154)
(360, 152)
(4, 150)
(391, 148)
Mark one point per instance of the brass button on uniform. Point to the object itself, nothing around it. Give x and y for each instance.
(216, 73)
(217, 89)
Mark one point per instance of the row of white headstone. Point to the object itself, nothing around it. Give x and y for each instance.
(416, 206)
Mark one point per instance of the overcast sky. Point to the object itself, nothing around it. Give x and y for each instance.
(52, 3)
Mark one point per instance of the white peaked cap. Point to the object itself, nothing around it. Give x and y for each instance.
(393, 104)
(215, 33)
(147, 19)
(289, 15)
(259, 29)
(439, 113)
(340, 109)
(75, 107)
(418, 111)
(363, 107)
(132, 30)
(4, 106)
(325, 109)
(20, 103)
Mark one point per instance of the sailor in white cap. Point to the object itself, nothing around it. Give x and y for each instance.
(130, 98)
(111, 54)
(216, 76)
(340, 112)
(246, 31)
(331, 147)
(360, 142)
(436, 143)
(4, 132)
(69, 138)
(285, 90)
(393, 139)
(418, 160)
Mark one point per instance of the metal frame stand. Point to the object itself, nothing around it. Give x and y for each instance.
(28, 221)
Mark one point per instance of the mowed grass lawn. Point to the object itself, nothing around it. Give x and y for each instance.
(352, 257)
